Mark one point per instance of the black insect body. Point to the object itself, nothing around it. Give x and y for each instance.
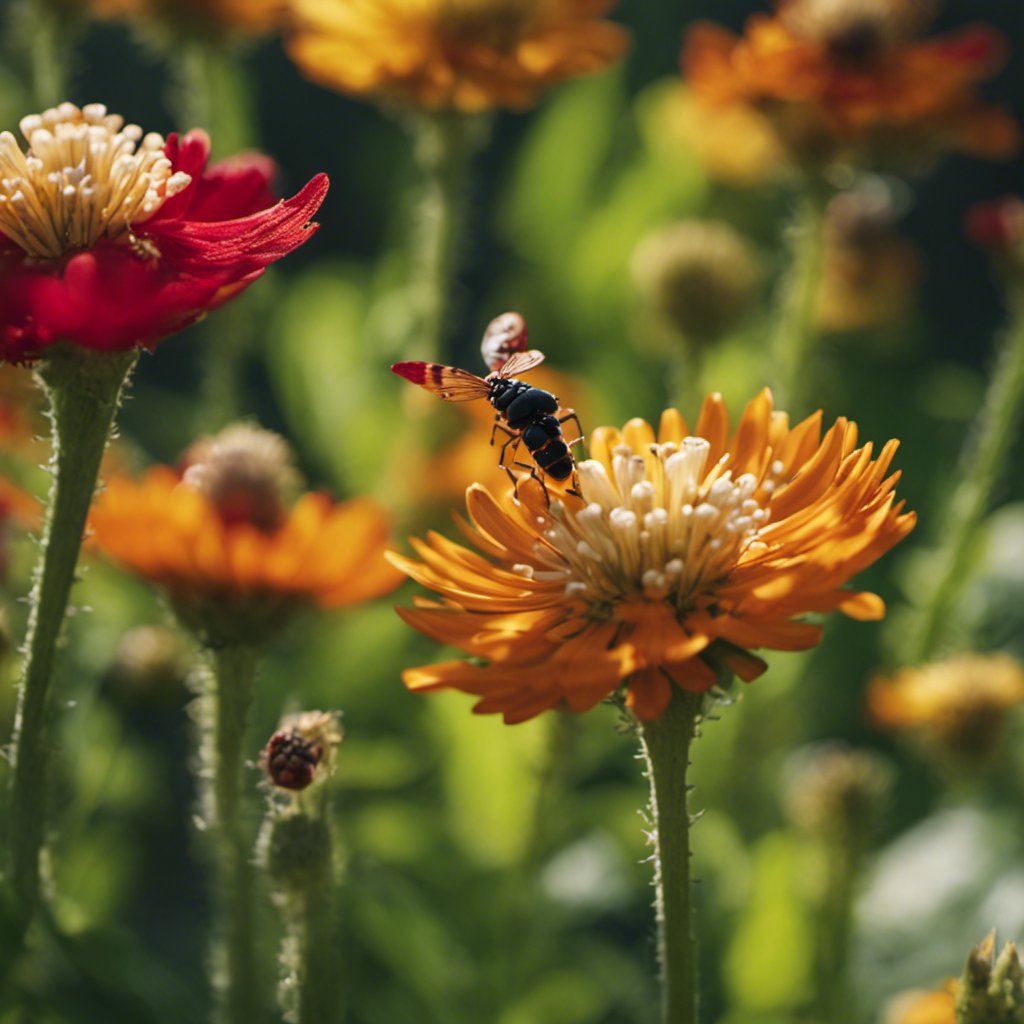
(530, 415)
(525, 415)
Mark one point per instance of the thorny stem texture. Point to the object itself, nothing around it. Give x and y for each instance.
(796, 302)
(84, 390)
(981, 466)
(666, 747)
(236, 980)
(444, 146)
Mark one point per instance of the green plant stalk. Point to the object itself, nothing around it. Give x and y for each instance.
(84, 390)
(310, 924)
(213, 91)
(794, 331)
(236, 978)
(46, 37)
(666, 748)
(836, 920)
(982, 464)
(444, 144)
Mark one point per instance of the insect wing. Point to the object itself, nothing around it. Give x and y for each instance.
(447, 382)
(520, 362)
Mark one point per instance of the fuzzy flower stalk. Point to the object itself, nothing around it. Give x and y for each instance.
(687, 550)
(110, 240)
(238, 561)
(296, 849)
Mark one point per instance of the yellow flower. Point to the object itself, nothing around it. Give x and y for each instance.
(232, 560)
(959, 704)
(466, 55)
(841, 78)
(923, 1007)
(686, 551)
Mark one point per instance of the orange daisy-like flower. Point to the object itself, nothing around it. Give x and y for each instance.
(937, 1006)
(686, 551)
(961, 704)
(231, 557)
(466, 55)
(846, 77)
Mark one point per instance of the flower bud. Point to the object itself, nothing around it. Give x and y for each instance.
(150, 660)
(301, 752)
(991, 989)
(699, 275)
(835, 791)
(246, 472)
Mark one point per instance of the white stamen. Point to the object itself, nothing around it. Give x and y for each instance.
(85, 176)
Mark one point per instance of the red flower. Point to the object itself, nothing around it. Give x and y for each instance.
(109, 246)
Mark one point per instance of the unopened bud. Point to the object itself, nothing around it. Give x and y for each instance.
(301, 752)
(699, 275)
(837, 792)
(991, 989)
(246, 472)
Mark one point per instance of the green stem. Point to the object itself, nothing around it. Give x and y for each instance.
(833, 947)
(45, 37)
(444, 146)
(794, 333)
(212, 90)
(666, 748)
(982, 464)
(236, 978)
(84, 390)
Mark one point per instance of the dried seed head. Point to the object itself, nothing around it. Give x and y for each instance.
(246, 472)
(699, 275)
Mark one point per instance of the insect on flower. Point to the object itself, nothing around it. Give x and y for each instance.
(532, 416)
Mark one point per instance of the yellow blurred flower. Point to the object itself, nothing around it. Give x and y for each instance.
(467, 55)
(846, 78)
(960, 704)
(937, 1006)
(228, 556)
(685, 551)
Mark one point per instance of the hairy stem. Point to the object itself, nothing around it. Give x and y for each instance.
(981, 467)
(444, 146)
(236, 980)
(84, 390)
(666, 747)
(796, 301)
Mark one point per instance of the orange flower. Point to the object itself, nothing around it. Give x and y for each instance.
(686, 551)
(847, 78)
(923, 1007)
(466, 55)
(250, 17)
(225, 557)
(961, 703)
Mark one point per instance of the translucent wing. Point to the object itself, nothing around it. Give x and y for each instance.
(520, 362)
(447, 382)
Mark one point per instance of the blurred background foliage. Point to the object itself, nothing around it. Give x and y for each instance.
(492, 873)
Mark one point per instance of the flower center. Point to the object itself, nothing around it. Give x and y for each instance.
(856, 33)
(662, 529)
(497, 24)
(86, 175)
